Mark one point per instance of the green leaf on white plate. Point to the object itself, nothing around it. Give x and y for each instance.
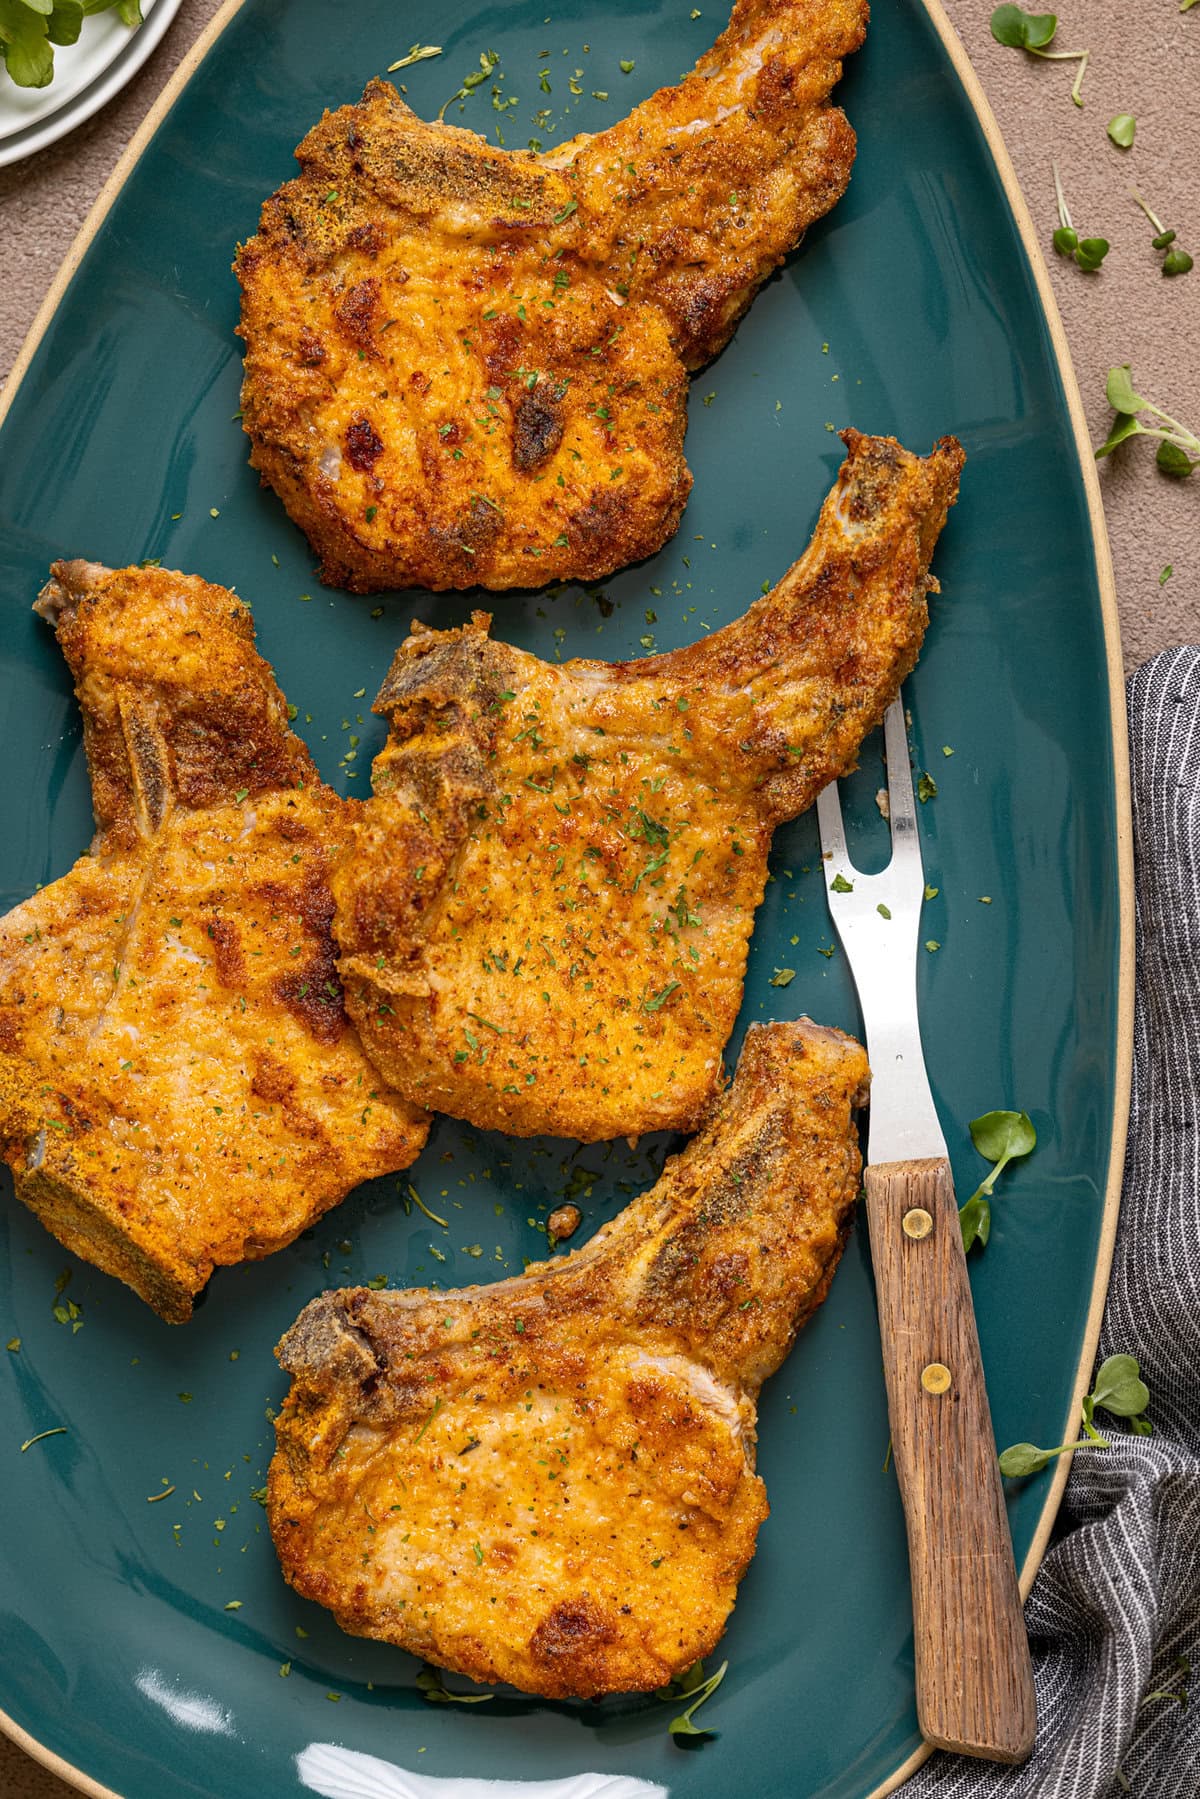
(65, 22)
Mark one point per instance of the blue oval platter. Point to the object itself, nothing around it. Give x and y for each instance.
(916, 308)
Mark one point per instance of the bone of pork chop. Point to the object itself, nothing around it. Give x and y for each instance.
(179, 1084)
(550, 1481)
(544, 920)
(468, 366)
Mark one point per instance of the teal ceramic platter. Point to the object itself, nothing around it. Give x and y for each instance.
(919, 307)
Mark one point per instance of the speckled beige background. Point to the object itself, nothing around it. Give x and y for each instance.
(1144, 60)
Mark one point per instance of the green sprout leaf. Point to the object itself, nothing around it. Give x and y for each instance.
(65, 22)
(24, 43)
(1021, 1459)
(1119, 390)
(693, 1683)
(1123, 426)
(1018, 30)
(431, 1684)
(1119, 1388)
(1178, 451)
(976, 1220)
(1122, 130)
(29, 30)
(1091, 252)
(1174, 461)
(1177, 262)
(1065, 240)
(1000, 1137)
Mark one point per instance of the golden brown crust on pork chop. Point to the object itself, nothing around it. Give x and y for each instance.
(550, 1481)
(468, 366)
(180, 1086)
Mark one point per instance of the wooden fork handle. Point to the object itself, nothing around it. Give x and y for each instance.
(974, 1676)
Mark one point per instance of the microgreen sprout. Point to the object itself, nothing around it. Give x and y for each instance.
(431, 1684)
(1118, 1389)
(1033, 32)
(29, 30)
(487, 63)
(417, 53)
(1001, 1137)
(693, 1685)
(1122, 130)
(1088, 252)
(1175, 262)
(1178, 451)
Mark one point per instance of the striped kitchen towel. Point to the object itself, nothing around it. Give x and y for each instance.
(1114, 1615)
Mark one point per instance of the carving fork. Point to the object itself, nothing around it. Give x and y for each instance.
(973, 1672)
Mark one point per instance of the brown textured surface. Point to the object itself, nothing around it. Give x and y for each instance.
(1128, 312)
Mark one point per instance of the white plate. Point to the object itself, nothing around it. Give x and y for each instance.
(86, 76)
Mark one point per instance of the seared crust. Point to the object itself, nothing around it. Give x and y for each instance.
(467, 366)
(544, 922)
(180, 1086)
(550, 1481)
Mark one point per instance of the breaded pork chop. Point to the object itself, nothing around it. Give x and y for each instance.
(179, 1083)
(468, 366)
(544, 920)
(550, 1481)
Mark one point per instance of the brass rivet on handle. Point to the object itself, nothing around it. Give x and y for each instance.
(936, 1377)
(916, 1223)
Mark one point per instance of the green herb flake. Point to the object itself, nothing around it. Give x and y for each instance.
(783, 977)
(840, 884)
(418, 53)
(926, 787)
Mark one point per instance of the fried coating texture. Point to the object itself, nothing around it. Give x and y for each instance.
(545, 917)
(468, 366)
(550, 1481)
(180, 1086)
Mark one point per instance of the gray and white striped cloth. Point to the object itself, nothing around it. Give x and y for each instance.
(1114, 1615)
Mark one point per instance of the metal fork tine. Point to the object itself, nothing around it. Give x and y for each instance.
(902, 806)
(832, 829)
